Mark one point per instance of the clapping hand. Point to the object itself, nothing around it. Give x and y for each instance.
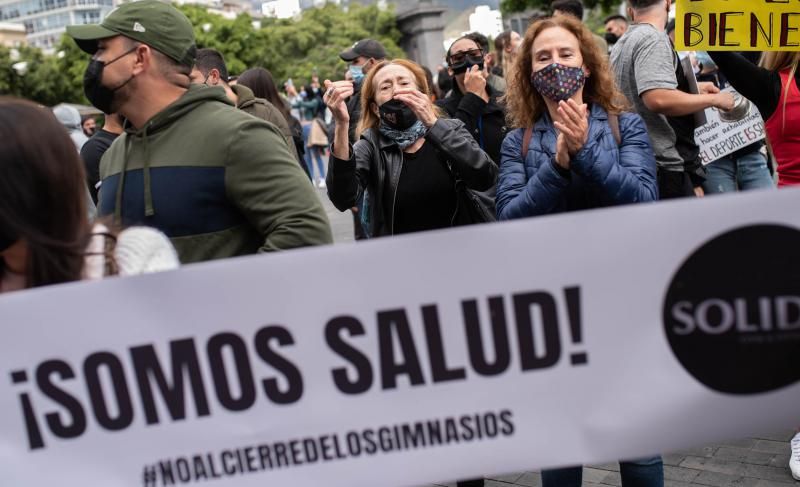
(573, 130)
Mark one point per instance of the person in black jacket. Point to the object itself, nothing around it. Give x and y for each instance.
(360, 58)
(408, 161)
(93, 150)
(472, 100)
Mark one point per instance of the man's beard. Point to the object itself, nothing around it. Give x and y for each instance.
(122, 96)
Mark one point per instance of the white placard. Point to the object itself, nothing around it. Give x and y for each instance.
(720, 137)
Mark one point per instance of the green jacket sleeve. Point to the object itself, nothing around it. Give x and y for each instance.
(264, 181)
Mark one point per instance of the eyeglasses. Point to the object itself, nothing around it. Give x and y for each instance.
(460, 57)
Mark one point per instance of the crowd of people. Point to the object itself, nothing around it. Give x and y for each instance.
(193, 164)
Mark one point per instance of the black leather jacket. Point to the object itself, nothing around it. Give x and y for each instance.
(376, 162)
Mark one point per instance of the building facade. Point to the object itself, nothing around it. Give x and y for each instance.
(46, 20)
(12, 35)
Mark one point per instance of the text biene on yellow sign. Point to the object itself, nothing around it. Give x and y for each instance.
(737, 25)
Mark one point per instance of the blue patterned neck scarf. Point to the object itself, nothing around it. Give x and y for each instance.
(403, 138)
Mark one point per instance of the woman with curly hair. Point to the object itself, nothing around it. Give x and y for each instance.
(575, 148)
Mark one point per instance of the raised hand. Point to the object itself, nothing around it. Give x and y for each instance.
(336, 93)
(475, 82)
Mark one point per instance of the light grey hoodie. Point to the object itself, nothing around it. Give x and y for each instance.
(71, 120)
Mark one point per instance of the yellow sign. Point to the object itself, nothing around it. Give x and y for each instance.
(737, 25)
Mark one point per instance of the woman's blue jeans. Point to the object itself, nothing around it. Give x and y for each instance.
(311, 154)
(315, 153)
(647, 472)
(728, 174)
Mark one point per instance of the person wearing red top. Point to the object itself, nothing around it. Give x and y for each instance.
(775, 89)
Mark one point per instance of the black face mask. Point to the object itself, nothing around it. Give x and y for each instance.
(98, 95)
(397, 115)
(611, 38)
(467, 63)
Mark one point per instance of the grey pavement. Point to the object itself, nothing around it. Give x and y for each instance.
(762, 461)
(750, 462)
(341, 223)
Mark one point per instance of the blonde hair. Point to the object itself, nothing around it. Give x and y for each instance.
(526, 105)
(368, 118)
(779, 61)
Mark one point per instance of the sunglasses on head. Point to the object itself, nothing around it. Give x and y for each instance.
(459, 58)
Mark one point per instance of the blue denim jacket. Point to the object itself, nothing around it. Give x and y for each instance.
(601, 174)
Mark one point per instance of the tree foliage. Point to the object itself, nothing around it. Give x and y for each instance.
(295, 48)
(510, 6)
(48, 80)
(288, 48)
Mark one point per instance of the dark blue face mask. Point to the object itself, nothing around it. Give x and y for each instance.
(467, 64)
(463, 61)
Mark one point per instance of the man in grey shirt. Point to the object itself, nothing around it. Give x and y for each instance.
(644, 63)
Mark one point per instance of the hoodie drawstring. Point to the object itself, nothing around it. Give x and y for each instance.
(149, 210)
(121, 183)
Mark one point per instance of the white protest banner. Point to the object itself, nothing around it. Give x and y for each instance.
(725, 133)
(547, 341)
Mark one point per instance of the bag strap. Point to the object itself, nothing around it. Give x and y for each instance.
(613, 121)
(526, 141)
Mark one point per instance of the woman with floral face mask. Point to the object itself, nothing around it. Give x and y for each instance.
(408, 162)
(575, 148)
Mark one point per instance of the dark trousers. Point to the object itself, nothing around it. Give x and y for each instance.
(647, 472)
(358, 230)
(470, 483)
(674, 184)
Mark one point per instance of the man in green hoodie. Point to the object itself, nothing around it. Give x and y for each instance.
(217, 181)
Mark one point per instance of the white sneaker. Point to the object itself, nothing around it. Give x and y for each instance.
(794, 460)
(321, 184)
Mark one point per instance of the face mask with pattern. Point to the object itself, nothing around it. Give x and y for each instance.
(558, 82)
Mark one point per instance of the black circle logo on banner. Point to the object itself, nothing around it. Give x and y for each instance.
(732, 311)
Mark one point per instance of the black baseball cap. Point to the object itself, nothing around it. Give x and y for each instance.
(369, 48)
(152, 22)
